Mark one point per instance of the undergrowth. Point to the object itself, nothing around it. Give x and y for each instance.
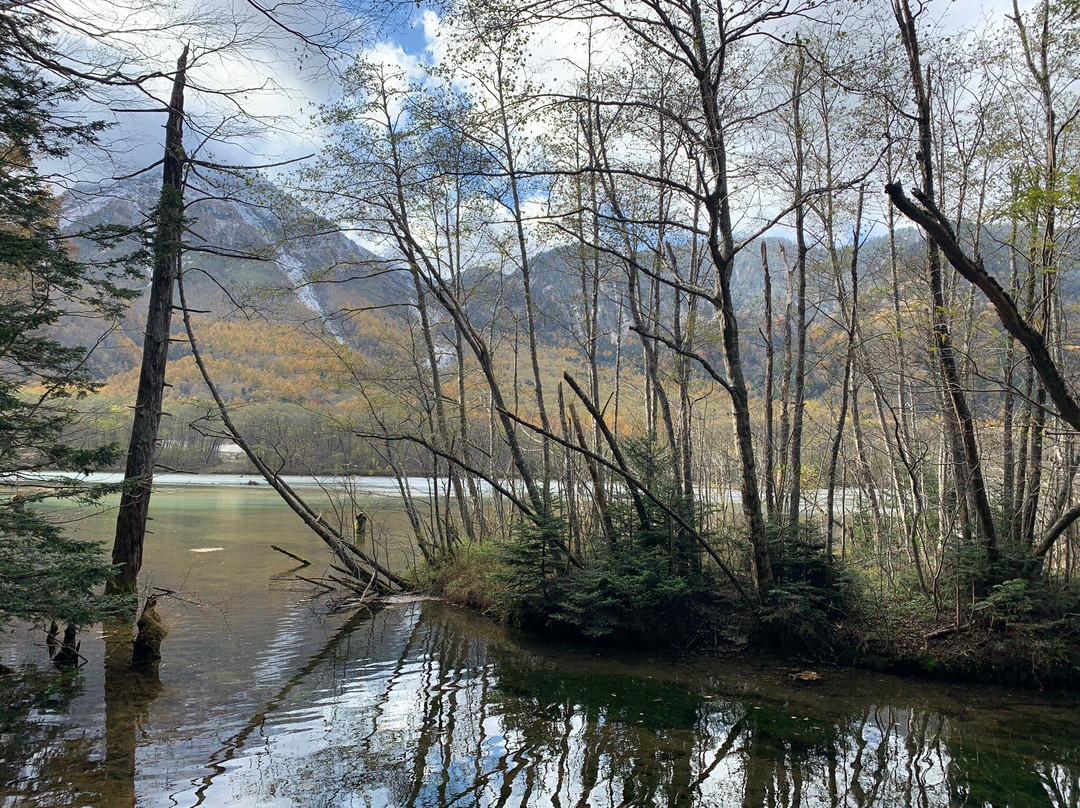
(642, 580)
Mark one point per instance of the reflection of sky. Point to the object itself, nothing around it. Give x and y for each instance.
(425, 724)
(420, 706)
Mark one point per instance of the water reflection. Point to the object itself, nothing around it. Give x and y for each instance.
(129, 691)
(47, 762)
(234, 745)
(420, 705)
(32, 746)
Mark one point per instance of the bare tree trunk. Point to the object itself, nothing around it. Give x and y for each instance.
(512, 173)
(1008, 438)
(1033, 486)
(960, 413)
(866, 474)
(168, 247)
(784, 442)
(770, 438)
(907, 494)
(799, 403)
(852, 313)
(902, 374)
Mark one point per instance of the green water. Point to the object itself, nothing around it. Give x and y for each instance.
(265, 699)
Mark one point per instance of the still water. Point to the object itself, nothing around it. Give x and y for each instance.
(266, 698)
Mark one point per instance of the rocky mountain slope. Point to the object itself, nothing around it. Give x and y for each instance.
(254, 253)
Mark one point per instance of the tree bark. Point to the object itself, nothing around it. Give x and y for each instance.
(799, 376)
(845, 394)
(960, 412)
(168, 236)
(770, 437)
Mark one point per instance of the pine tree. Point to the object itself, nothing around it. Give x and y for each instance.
(45, 575)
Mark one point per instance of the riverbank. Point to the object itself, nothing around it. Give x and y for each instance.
(373, 484)
(992, 646)
(1021, 634)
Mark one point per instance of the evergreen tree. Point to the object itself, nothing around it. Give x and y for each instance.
(44, 574)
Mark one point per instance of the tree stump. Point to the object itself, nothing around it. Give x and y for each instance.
(151, 632)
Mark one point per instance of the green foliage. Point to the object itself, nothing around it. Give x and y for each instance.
(1012, 601)
(47, 575)
(811, 595)
(633, 594)
(1030, 629)
(628, 592)
(533, 560)
(44, 575)
(974, 571)
(643, 585)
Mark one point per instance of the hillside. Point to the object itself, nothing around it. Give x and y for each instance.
(255, 255)
(293, 315)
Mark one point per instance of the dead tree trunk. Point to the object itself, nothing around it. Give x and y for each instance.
(168, 220)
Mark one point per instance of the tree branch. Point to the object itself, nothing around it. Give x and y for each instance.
(925, 214)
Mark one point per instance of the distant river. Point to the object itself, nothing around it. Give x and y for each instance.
(265, 699)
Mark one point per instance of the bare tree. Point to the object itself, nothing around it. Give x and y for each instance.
(167, 250)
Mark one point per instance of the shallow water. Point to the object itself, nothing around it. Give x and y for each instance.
(263, 699)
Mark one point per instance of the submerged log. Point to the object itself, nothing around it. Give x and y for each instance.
(293, 556)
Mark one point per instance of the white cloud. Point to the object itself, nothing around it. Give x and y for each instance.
(259, 86)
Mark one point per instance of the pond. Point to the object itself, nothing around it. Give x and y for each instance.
(266, 698)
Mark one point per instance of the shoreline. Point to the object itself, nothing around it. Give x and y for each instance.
(1015, 656)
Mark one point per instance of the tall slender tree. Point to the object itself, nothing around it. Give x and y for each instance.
(168, 221)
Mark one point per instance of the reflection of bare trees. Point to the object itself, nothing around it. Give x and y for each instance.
(43, 763)
(418, 706)
(1062, 784)
(439, 709)
(234, 744)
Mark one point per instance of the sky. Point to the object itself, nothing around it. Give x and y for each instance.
(272, 121)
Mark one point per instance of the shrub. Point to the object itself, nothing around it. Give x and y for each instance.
(811, 595)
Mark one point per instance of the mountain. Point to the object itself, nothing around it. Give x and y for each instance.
(254, 252)
(259, 264)
(259, 257)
